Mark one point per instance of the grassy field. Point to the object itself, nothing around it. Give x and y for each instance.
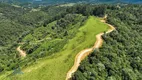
(56, 66)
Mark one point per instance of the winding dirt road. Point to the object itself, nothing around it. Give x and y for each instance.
(81, 55)
(22, 53)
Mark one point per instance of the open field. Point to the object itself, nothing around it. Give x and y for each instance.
(56, 66)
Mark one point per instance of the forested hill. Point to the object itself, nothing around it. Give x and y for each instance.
(46, 31)
(17, 21)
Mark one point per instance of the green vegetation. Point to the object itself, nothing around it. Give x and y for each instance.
(15, 24)
(56, 66)
(53, 35)
(45, 41)
(10, 29)
(120, 57)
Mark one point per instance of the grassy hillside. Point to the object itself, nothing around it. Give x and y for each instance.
(56, 66)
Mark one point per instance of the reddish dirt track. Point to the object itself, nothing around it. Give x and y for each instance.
(84, 53)
(22, 53)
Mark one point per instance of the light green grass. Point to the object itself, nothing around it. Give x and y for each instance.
(56, 66)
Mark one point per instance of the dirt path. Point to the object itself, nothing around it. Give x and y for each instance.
(22, 53)
(81, 55)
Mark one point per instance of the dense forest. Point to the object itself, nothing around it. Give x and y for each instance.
(45, 30)
(120, 56)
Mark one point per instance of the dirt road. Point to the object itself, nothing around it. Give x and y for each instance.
(22, 53)
(81, 55)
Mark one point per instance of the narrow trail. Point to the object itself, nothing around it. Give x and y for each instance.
(84, 53)
(22, 53)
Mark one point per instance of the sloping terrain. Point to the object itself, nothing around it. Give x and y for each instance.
(51, 37)
(82, 54)
(120, 56)
(55, 67)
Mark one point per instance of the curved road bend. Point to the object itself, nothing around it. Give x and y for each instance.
(81, 55)
(22, 53)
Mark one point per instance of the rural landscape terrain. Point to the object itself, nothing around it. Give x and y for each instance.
(70, 40)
